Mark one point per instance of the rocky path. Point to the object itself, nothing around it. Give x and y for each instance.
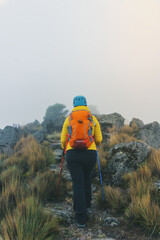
(104, 226)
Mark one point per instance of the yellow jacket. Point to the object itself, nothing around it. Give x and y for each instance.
(96, 131)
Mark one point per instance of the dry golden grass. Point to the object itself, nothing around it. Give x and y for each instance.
(54, 136)
(142, 211)
(11, 191)
(45, 186)
(9, 174)
(141, 204)
(144, 208)
(113, 130)
(103, 155)
(122, 135)
(120, 138)
(29, 221)
(125, 129)
(154, 162)
(114, 199)
(30, 156)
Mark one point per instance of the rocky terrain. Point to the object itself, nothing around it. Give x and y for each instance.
(124, 157)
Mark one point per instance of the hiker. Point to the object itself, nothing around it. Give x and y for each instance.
(80, 134)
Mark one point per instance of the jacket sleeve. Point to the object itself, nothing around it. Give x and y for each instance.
(97, 132)
(64, 133)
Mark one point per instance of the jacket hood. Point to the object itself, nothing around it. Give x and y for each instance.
(81, 108)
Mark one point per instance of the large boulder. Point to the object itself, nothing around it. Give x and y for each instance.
(150, 134)
(124, 158)
(110, 120)
(135, 121)
(9, 136)
(36, 130)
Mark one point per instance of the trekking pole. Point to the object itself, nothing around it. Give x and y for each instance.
(100, 175)
(60, 173)
(64, 152)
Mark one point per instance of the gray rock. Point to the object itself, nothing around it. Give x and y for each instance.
(58, 153)
(150, 134)
(124, 158)
(138, 122)
(7, 150)
(64, 215)
(39, 135)
(110, 120)
(56, 145)
(33, 125)
(110, 221)
(36, 130)
(9, 136)
(157, 185)
(65, 173)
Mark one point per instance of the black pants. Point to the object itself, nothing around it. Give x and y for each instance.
(80, 164)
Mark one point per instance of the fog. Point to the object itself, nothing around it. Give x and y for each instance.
(52, 50)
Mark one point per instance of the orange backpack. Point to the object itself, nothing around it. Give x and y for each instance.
(80, 129)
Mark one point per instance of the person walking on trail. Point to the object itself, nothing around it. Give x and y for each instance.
(81, 133)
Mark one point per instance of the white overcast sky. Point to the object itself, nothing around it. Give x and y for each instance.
(53, 50)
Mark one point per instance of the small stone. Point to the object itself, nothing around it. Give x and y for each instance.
(113, 224)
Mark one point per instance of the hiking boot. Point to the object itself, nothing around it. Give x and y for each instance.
(80, 225)
(89, 214)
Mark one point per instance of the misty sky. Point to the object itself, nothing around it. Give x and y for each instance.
(53, 50)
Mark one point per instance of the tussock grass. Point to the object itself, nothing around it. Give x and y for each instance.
(142, 211)
(122, 135)
(29, 221)
(45, 186)
(140, 177)
(11, 191)
(154, 162)
(115, 198)
(2, 158)
(8, 174)
(25, 181)
(140, 201)
(103, 156)
(30, 156)
(120, 138)
(144, 208)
